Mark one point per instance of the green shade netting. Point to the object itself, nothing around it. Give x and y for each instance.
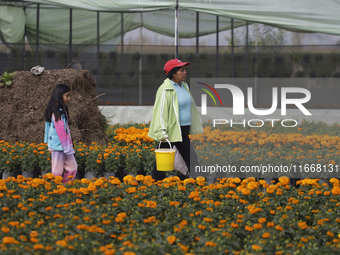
(84, 25)
(158, 16)
(12, 24)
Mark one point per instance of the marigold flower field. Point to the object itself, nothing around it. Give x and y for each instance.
(132, 150)
(140, 216)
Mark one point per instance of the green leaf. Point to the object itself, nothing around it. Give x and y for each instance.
(8, 83)
(42, 210)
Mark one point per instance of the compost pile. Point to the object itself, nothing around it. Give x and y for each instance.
(23, 104)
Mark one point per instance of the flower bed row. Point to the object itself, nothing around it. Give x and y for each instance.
(132, 150)
(140, 216)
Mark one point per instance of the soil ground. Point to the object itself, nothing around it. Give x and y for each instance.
(23, 104)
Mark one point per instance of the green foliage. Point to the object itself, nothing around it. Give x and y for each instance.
(6, 79)
(94, 160)
(29, 158)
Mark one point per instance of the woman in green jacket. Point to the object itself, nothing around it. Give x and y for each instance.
(175, 116)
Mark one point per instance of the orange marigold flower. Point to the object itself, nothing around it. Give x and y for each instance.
(262, 220)
(248, 228)
(5, 229)
(302, 225)
(279, 228)
(182, 188)
(171, 239)
(38, 246)
(329, 233)
(61, 243)
(9, 240)
(257, 226)
(234, 225)
(33, 234)
(209, 243)
(303, 239)
(256, 247)
(201, 227)
(266, 235)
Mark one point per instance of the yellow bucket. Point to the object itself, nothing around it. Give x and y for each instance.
(165, 159)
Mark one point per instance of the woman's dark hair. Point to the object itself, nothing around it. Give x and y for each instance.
(56, 103)
(172, 72)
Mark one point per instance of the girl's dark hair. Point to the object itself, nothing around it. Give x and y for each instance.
(56, 103)
(172, 72)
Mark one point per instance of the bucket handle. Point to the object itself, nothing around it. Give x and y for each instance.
(168, 143)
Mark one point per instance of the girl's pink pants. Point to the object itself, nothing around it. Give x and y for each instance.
(60, 162)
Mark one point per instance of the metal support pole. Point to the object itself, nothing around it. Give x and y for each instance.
(98, 50)
(37, 36)
(256, 62)
(197, 42)
(247, 45)
(176, 30)
(122, 40)
(140, 58)
(232, 48)
(217, 44)
(23, 51)
(70, 39)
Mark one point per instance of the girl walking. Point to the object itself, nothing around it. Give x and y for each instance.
(57, 133)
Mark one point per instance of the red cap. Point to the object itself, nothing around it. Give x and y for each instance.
(174, 63)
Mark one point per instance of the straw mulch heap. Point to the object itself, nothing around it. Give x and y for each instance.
(23, 104)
